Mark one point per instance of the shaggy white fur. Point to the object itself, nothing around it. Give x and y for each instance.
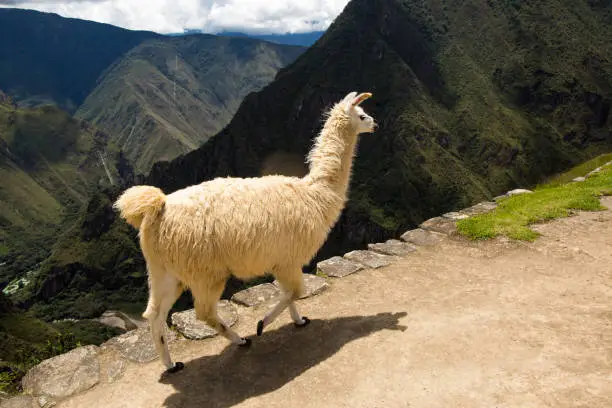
(198, 236)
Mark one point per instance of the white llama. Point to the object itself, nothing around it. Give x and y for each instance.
(198, 236)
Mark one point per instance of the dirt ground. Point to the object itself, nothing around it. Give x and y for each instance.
(460, 324)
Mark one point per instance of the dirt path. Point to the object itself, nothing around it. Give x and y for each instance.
(491, 324)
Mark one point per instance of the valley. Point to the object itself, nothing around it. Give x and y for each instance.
(168, 96)
(50, 163)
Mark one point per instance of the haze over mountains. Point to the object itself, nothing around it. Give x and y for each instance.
(305, 39)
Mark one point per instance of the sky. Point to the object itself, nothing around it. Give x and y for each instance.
(211, 16)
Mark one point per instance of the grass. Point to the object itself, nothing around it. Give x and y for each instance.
(581, 169)
(26, 328)
(514, 214)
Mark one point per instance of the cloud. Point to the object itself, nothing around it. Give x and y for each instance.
(171, 16)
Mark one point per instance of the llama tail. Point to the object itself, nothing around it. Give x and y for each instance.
(138, 202)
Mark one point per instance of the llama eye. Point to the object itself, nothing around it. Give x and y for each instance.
(362, 117)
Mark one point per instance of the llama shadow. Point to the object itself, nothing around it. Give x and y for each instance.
(273, 360)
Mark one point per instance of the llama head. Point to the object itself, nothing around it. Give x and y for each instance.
(360, 120)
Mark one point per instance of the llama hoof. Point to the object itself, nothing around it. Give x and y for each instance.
(260, 326)
(178, 366)
(246, 344)
(306, 322)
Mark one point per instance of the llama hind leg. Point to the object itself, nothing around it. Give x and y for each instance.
(293, 286)
(164, 290)
(206, 311)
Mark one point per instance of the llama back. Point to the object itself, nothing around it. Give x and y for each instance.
(241, 226)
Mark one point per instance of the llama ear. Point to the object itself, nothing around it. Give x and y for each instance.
(349, 98)
(362, 97)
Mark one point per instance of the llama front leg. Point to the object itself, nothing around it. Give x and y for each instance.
(164, 290)
(292, 286)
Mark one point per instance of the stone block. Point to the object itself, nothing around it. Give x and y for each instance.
(194, 329)
(338, 267)
(392, 247)
(64, 375)
(313, 285)
(255, 295)
(370, 259)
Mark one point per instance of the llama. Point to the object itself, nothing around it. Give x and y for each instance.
(197, 237)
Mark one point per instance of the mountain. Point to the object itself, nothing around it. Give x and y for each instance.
(473, 98)
(167, 96)
(45, 58)
(49, 164)
(303, 39)
(157, 96)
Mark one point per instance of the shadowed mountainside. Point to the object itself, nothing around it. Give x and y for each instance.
(45, 58)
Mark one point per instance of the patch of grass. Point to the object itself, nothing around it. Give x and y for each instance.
(24, 342)
(88, 331)
(581, 169)
(514, 214)
(27, 328)
(25, 355)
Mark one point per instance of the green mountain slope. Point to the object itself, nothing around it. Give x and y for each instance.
(473, 98)
(166, 97)
(45, 58)
(49, 164)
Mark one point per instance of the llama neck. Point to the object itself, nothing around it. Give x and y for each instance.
(331, 159)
